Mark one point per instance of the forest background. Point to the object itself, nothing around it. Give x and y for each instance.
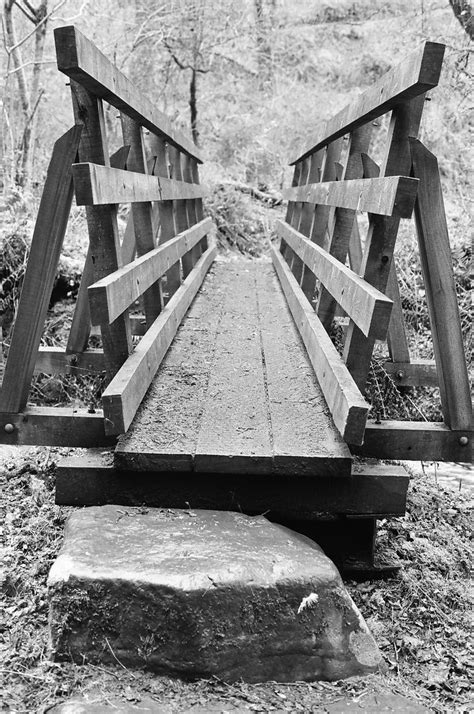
(250, 80)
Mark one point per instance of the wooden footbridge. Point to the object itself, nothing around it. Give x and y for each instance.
(223, 385)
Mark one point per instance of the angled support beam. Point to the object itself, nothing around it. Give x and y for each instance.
(48, 236)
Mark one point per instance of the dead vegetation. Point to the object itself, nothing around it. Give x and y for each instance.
(419, 618)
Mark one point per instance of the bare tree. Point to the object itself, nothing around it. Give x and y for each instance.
(29, 92)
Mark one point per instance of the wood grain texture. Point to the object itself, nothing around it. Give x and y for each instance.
(54, 360)
(396, 338)
(415, 75)
(345, 220)
(369, 308)
(112, 295)
(383, 231)
(48, 236)
(416, 373)
(391, 196)
(97, 185)
(348, 408)
(438, 276)
(104, 241)
(322, 214)
(168, 230)
(81, 60)
(55, 426)
(92, 480)
(236, 392)
(142, 216)
(123, 395)
(415, 441)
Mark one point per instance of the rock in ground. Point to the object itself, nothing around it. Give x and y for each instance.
(203, 593)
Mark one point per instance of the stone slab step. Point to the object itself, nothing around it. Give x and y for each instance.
(203, 593)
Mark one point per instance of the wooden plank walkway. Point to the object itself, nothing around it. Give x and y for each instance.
(236, 392)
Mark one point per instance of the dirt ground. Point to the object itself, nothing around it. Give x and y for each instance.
(419, 618)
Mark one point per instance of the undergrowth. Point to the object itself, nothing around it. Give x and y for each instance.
(418, 617)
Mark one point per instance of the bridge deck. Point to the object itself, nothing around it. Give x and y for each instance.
(236, 392)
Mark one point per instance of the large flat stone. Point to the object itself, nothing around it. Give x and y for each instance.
(202, 593)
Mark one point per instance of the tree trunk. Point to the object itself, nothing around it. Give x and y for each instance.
(29, 101)
(463, 12)
(193, 106)
(264, 50)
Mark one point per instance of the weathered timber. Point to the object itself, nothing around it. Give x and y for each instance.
(48, 235)
(142, 215)
(123, 395)
(54, 360)
(390, 196)
(436, 263)
(104, 241)
(97, 185)
(348, 408)
(248, 419)
(112, 295)
(415, 441)
(322, 214)
(236, 391)
(81, 60)
(367, 306)
(396, 338)
(345, 219)
(382, 234)
(54, 426)
(303, 437)
(417, 373)
(80, 331)
(92, 479)
(415, 75)
(168, 229)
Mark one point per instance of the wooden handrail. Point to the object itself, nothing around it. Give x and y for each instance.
(388, 196)
(97, 185)
(415, 75)
(112, 295)
(81, 60)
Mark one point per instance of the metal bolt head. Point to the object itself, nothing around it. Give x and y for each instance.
(463, 440)
(9, 428)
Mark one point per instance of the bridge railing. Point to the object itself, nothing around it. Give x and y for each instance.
(335, 178)
(162, 258)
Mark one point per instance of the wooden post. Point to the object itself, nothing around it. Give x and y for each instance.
(396, 337)
(181, 206)
(292, 215)
(80, 331)
(344, 218)
(102, 223)
(38, 282)
(190, 260)
(297, 264)
(167, 220)
(321, 213)
(142, 215)
(382, 233)
(436, 263)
